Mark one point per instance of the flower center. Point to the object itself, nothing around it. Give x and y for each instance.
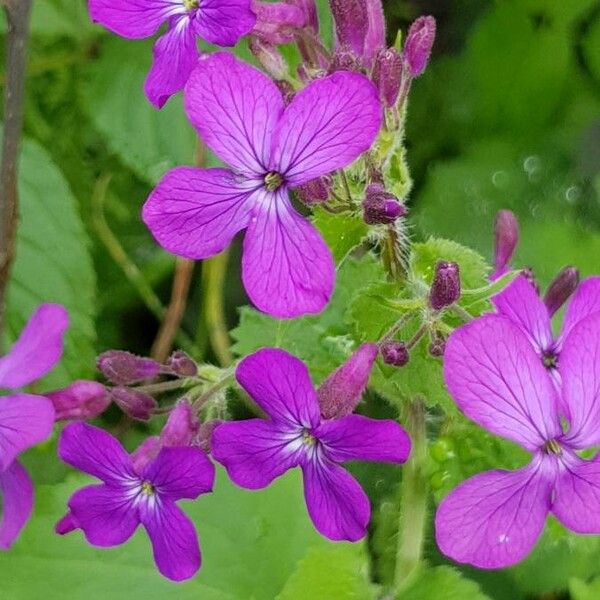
(308, 439)
(550, 359)
(273, 180)
(147, 488)
(552, 447)
(191, 4)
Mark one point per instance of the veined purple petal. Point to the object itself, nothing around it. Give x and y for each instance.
(494, 519)
(337, 505)
(498, 381)
(174, 540)
(106, 514)
(280, 384)
(134, 18)
(181, 472)
(196, 212)
(175, 56)
(25, 420)
(16, 491)
(38, 348)
(359, 438)
(585, 302)
(235, 109)
(255, 452)
(224, 22)
(95, 452)
(287, 268)
(326, 127)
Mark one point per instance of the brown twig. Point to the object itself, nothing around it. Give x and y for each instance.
(17, 15)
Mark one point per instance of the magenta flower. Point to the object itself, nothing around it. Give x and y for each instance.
(494, 519)
(109, 513)
(26, 419)
(256, 451)
(221, 22)
(287, 268)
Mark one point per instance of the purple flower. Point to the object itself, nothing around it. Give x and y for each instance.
(287, 268)
(494, 519)
(256, 451)
(26, 419)
(80, 400)
(109, 513)
(220, 22)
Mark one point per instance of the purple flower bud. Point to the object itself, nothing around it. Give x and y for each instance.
(506, 234)
(180, 363)
(351, 23)
(80, 400)
(123, 368)
(341, 391)
(276, 22)
(315, 191)
(309, 8)
(181, 426)
(269, 57)
(394, 353)
(134, 403)
(375, 37)
(561, 288)
(203, 439)
(419, 42)
(381, 207)
(445, 288)
(387, 75)
(437, 347)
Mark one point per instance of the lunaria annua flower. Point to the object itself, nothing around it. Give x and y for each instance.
(494, 519)
(221, 22)
(109, 513)
(256, 451)
(26, 419)
(287, 268)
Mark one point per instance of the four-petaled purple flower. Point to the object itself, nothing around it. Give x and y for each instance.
(110, 513)
(494, 519)
(287, 268)
(256, 451)
(221, 22)
(26, 419)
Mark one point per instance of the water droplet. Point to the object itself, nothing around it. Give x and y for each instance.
(500, 179)
(573, 194)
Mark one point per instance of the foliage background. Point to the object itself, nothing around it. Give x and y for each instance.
(506, 116)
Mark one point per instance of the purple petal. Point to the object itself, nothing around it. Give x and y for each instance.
(25, 420)
(520, 303)
(196, 212)
(498, 381)
(359, 438)
(175, 56)
(280, 384)
(16, 491)
(105, 514)
(579, 368)
(66, 524)
(235, 109)
(224, 22)
(337, 505)
(494, 519)
(585, 302)
(181, 472)
(255, 452)
(326, 127)
(95, 452)
(174, 540)
(134, 18)
(38, 348)
(287, 268)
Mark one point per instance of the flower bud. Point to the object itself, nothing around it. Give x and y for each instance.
(123, 368)
(561, 288)
(506, 237)
(181, 426)
(381, 207)
(309, 8)
(314, 191)
(80, 400)
(437, 347)
(204, 437)
(351, 24)
(445, 289)
(340, 393)
(276, 22)
(134, 403)
(419, 42)
(145, 453)
(387, 75)
(344, 60)
(394, 353)
(269, 57)
(180, 363)
(375, 36)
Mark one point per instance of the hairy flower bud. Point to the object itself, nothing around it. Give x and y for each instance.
(506, 237)
(134, 403)
(445, 288)
(387, 75)
(561, 288)
(203, 439)
(181, 426)
(394, 353)
(309, 8)
(315, 191)
(344, 60)
(80, 400)
(269, 57)
(351, 23)
(437, 346)
(122, 368)
(341, 391)
(180, 363)
(419, 42)
(375, 36)
(381, 207)
(276, 22)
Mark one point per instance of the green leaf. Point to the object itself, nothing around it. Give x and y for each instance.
(52, 263)
(342, 232)
(442, 582)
